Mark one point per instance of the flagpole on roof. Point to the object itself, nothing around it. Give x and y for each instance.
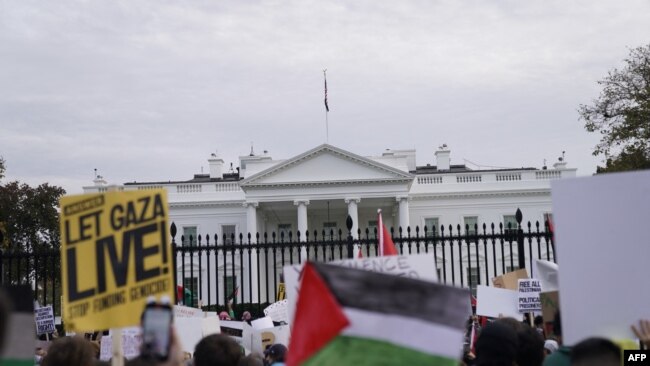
(327, 109)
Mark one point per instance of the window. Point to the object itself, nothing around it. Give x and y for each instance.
(187, 232)
(330, 229)
(190, 292)
(510, 226)
(473, 276)
(469, 224)
(431, 225)
(284, 229)
(230, 284)
(229, 232)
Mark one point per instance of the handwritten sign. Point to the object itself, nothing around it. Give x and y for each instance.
(44, 318)
(421, 266)
(131, 342)
(115, 253)
(181, 311)
(528, 298)
(278, 311)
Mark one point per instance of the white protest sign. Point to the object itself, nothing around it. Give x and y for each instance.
(181, 311)
(131, 342)
(211, 325)
(547, 274)
(278, 311)
(190, 332)
(241, 332)
(495, 302)
(44, 318)
(528, 295)
(262, 323)
(421, 266)
(602, 247)
(263, 338)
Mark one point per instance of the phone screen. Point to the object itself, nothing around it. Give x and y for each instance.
(156, 331)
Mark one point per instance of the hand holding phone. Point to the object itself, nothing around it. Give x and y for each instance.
(156, 331)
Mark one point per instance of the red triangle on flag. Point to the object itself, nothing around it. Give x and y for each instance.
(319, 318)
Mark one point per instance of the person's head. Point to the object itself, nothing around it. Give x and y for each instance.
(69, 351)
(550, 346)
(275, 353)
(217, 349)
(539, 321)
(496, 345)
(595, 352)
(254, 359)
(246, 316)
(224, 316)
(530, 348)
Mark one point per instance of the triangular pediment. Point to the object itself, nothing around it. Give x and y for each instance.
(326, 164)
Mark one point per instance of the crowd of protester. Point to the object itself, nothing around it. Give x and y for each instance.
(489, 342)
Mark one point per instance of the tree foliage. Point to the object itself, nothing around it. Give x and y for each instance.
(621, 114)
(29, 215)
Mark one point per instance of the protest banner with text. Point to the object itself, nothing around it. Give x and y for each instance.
(528, 297)
(418, 266)
(115, 253)
(44, 318)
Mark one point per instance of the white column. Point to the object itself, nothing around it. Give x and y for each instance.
(302, 224)
(251, 218)
(354, 214)
(353, 211)
(251, 227)
(403, 213)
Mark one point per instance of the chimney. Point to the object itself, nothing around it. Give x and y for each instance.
(442, 157)
(216, 166)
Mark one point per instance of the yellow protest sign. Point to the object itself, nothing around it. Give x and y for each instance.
(281, 292)
(115, 253)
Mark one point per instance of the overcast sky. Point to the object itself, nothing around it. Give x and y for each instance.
(146, 90)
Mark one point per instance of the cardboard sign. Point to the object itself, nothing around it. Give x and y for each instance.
(528, 296)
(115, 253)
(509, 280)
(602, 243)
(550, 305)
(495, 302)
(263, 338)
(421, 266)
(44, 318)
(278, 311)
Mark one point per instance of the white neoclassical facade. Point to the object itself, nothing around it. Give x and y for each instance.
(317, 190)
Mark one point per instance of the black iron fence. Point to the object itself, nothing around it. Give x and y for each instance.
(248, 269)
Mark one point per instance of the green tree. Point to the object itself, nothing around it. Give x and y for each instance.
(621, 114)
(29, 215)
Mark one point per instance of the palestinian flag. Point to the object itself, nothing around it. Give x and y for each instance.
(347, 316)
(20, 332)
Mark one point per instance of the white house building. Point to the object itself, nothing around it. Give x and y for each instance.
(317, 190)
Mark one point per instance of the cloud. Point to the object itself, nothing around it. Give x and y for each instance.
(146, 90)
